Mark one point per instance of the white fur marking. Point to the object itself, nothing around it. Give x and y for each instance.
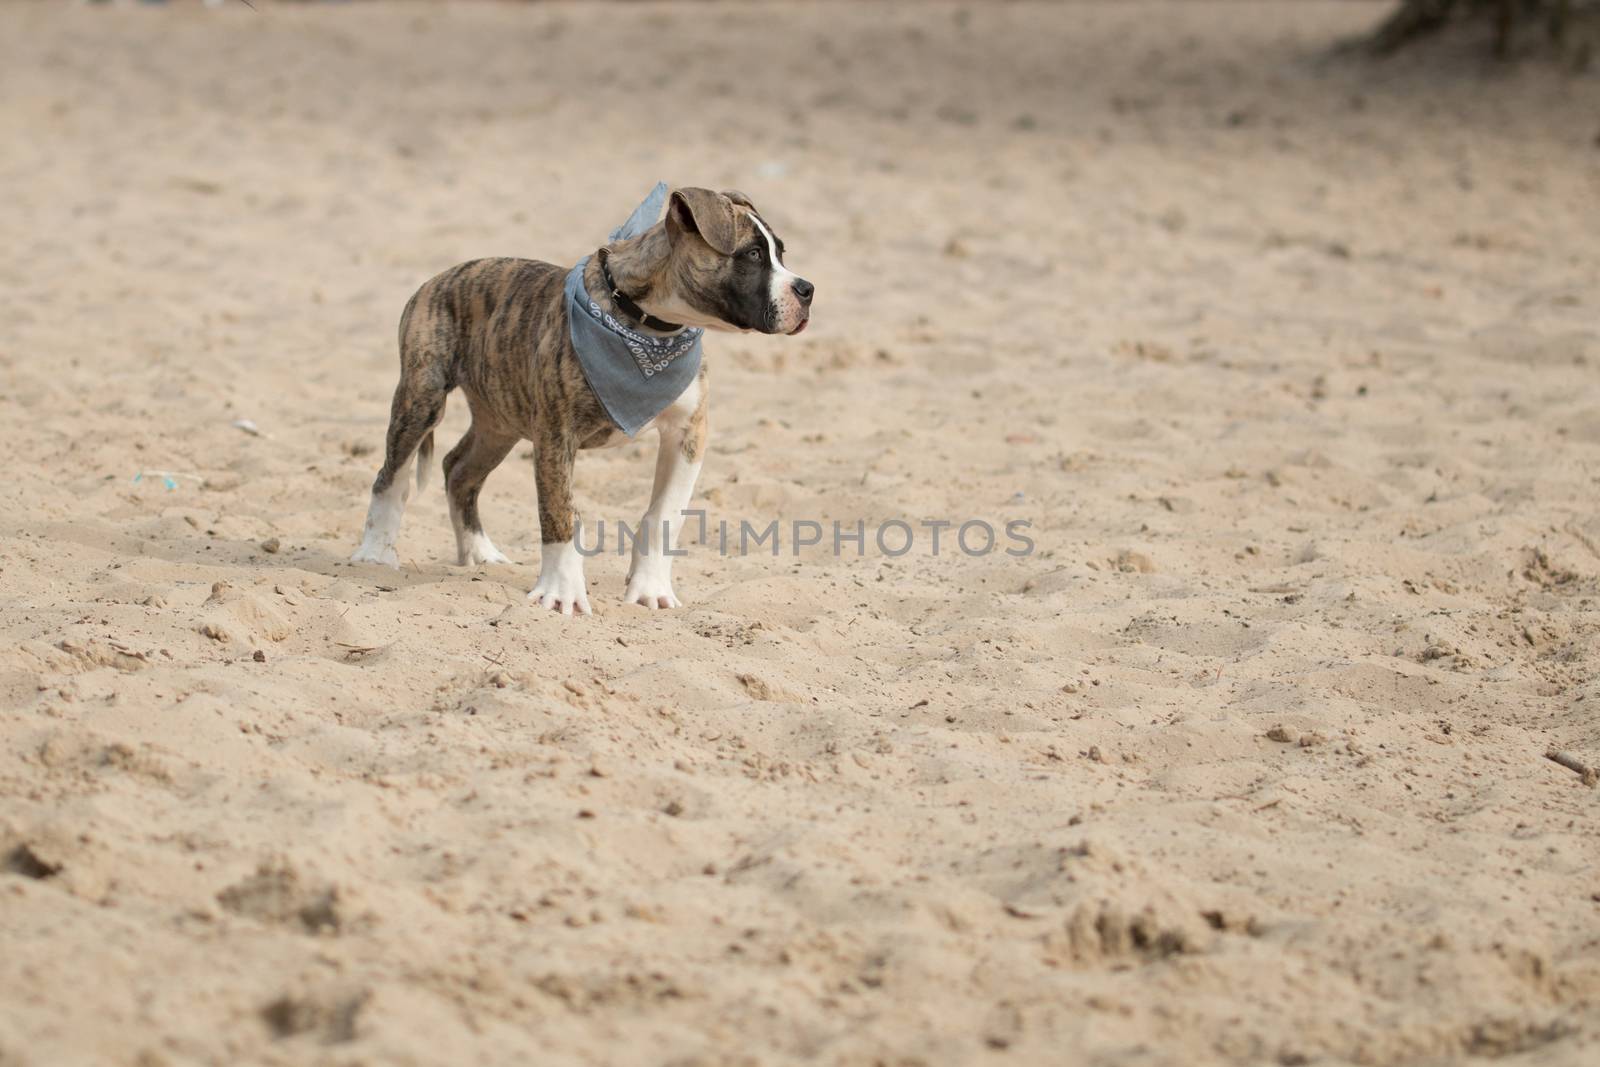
(382, 529)
(561, 586)
(781, 291)
(781, 275)
(473, 547)
(479, 550)
(650, 576)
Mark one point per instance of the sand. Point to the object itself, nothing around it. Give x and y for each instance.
(1289, 361)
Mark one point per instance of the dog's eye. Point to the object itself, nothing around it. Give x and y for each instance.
(754, 253)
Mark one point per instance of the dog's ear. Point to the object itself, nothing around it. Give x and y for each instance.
(739, 198)
(703, 212)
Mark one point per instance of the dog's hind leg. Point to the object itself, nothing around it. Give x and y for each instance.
(418, 407)
(466, 466)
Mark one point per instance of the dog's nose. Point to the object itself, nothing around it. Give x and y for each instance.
(803, 289)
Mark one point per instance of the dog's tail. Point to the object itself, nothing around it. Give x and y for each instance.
(424, 461)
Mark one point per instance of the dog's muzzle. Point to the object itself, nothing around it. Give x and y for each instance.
(803, 292)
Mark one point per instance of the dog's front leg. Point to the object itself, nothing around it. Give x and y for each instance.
(678, 460)
(561, 585)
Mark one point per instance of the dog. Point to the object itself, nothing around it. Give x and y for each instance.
(501, 331)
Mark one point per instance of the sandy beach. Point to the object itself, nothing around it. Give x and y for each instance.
(1290, 362)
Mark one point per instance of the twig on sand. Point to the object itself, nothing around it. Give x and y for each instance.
(1583, 539)
(359, 649)
(1573, 763)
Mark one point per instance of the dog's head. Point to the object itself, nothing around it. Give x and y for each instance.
(721, 267)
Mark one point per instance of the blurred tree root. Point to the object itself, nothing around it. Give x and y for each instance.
(1415, 19)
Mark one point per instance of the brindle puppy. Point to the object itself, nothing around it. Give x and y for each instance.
(497, 330)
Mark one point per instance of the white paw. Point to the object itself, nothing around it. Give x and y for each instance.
(559, 594)
(382, 528)
(384, 554)
(561, 585)
(650, 587)
(481, 550)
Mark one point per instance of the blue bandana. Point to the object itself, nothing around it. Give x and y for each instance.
(635, 375)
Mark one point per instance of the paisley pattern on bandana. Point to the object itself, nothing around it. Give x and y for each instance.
(651, 353)
(636, 376)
